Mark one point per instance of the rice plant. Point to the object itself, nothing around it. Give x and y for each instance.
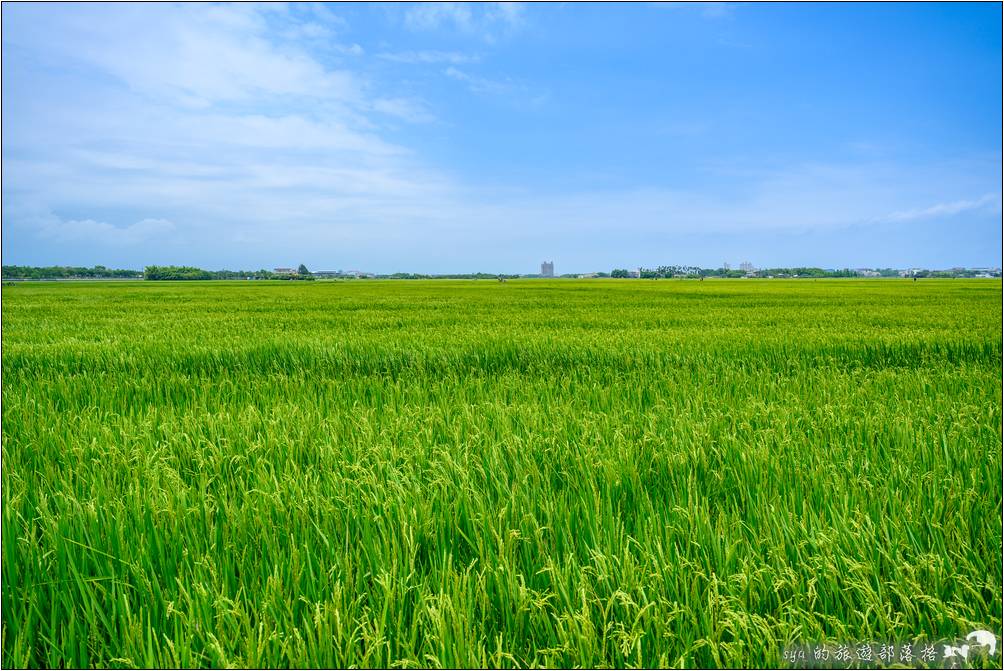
(476, 474)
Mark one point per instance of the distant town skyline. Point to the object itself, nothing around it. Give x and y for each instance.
(450, 138)
(546, 271)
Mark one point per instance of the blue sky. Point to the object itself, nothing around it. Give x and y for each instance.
(489, 137)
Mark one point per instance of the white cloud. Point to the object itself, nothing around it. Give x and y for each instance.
(205, 116)
(100, 232)
(193, 55)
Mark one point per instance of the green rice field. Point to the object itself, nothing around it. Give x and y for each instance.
(592, 473)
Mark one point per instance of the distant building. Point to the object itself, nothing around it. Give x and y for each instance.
(284, 271)
(588, 276)
(547, 269)
(746, 267)
(634, 273)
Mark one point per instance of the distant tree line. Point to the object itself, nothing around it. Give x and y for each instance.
(955, 272)
(452, 276)
(190, 273)
(302, 273)
(694, 271)
(66, 273)
(806, 272)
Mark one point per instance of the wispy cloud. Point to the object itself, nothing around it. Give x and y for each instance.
(509, 14)
(351, 49)
(948, 209)
(307, 31)
(709, 10)
(430, 56)
(513, 92)
(433, 15)
(715, 10)
(487, 20)
(480, 85)
(406, 109)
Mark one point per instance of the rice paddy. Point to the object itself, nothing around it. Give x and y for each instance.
(468, 474)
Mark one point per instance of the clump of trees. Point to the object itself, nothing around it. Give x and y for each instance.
(807, 272)
(188, 272)
(193, 273)
(176, 273)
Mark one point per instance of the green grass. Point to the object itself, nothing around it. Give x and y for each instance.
(565, 473)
